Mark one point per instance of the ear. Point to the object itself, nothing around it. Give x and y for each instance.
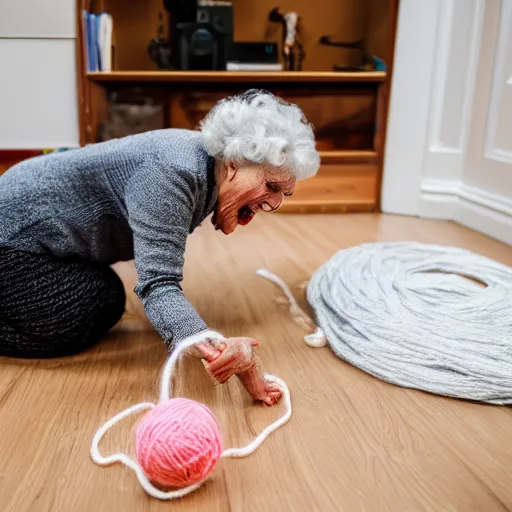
(232, 170)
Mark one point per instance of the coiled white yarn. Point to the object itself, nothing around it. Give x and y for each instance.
(166, 394)
(403, 313)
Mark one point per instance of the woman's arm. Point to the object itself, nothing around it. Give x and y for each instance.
(160, 205)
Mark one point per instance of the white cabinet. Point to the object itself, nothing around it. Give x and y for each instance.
(38, 105)
(38, 92)
(37, 18)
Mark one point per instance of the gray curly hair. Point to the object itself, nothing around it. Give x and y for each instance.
(258, 128)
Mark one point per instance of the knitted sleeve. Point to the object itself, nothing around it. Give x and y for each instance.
(160, 204)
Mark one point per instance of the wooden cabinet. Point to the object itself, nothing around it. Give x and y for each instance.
(347, 109)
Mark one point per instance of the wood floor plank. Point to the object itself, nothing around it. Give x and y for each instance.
(354, 443)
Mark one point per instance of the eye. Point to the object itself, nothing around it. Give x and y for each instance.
(273, 188)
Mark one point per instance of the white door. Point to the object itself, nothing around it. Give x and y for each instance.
(487, 169)
(449, 148)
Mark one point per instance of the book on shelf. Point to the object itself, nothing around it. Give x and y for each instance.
(253, 66)
(97, 34)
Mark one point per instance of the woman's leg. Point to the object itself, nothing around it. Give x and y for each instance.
(51, 307)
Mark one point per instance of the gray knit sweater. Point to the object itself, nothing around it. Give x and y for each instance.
(137, 197)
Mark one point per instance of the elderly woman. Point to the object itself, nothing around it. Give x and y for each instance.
(65, 218)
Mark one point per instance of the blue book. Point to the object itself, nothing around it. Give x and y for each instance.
(90, 42)
(97, 30)
(97, 21)
(94, 42)
(86, 38)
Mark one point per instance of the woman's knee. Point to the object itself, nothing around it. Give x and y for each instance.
(14, 343)
(52, 307)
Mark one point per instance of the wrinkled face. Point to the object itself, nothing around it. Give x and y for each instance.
(244, 191)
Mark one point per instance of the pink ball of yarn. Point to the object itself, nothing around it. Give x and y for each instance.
(178, 443)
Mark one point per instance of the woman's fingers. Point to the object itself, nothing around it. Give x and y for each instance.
(272, 389)
(208, 351)
(217, 344)
(223, 375)
(271, 398)
(211, 349)
(272, 393)
(220, 367)
(236, 356)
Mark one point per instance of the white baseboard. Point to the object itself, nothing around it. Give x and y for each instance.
(470, 206)
(437, 206)
(438, 199)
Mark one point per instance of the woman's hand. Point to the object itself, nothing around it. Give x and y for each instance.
(257, 386)
(210, 350)
(236, 357)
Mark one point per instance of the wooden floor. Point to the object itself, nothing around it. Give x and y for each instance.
(353, 444)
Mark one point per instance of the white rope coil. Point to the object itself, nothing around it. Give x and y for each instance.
(403, 313)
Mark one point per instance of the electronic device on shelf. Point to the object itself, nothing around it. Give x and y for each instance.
(201, 33)
(254, 56)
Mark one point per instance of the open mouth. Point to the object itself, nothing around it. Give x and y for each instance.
(245, 215)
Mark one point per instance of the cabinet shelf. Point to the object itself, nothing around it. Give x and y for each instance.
(349, 156)
(238, 76)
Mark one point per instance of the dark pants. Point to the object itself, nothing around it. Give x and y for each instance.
(51, 307)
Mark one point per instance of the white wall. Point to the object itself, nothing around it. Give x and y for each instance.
(38, 92)
(449, 150)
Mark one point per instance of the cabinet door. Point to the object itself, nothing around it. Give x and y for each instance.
(38, 102)
(343, 118)
(37, 19)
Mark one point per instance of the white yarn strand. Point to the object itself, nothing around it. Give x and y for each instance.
(244, 451)
(165, 394)
(315, 339)
(266, 274)
(404, 313)
(165, 387)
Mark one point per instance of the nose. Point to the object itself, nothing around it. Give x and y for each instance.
(273, 202)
